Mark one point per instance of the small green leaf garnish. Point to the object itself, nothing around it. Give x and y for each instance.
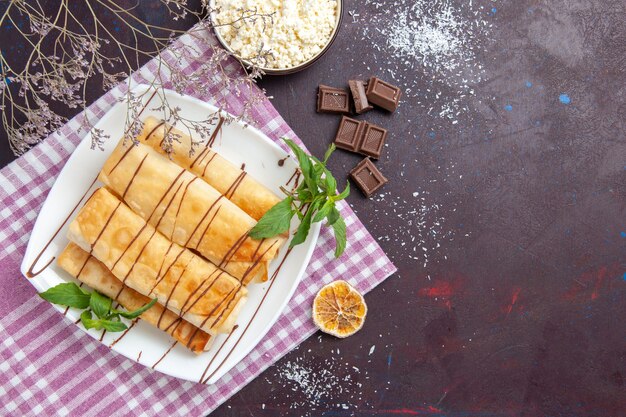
(134, 314)
(313, 201)
(100, 305)
(107, 318)
(275, 221)
(67, 294)
(339, 227)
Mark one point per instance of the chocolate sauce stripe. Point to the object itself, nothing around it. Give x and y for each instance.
(130, 148)
(206, 229)
(80, 284)
(248, 325)
(170, 128)
(161, 123)
(164, 355)
(30, 273)
(203, 294)
(218, 128)
(165, 195)
(106, 224)
(180, 277)
(128, 130)
(158, 280)
(217, 353)
(225, 309)
(182, 198)
(233, 187)
(128, 247)
(132, 324)
(208, 163)
(207, 148)
(257, 261)
(145, 245)
(204, 151)
(215, 309)
(201, 220)
(258, 247)
(182, 309)
(269, 288)
(233, 249)
(132, 179)
(163, 261)
(176, 321)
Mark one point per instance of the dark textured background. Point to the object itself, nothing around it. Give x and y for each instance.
(520, 205)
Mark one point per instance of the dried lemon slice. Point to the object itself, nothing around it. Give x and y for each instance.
(339, 309)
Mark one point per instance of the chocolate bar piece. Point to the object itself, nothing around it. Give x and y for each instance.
(367, 177)
(383, 94)
(373, 140)
(349, 134)
(332, 100)
(359, 97)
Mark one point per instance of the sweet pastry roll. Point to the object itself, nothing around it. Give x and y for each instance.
(187, 210)
(231, 181)
(92, 272)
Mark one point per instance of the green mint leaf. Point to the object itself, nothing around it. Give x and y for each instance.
(67, 294)
(318, 171)
(87, 321)
(333, 216)
(100, 304)
(99, 324)
(339, 227)
(304, 195)
(305, 226)
(305, 164)
(329, 152)
(136, 313)
(112, 326)
(323, 212)
(331, 185)
(275, 221)
(344, 193)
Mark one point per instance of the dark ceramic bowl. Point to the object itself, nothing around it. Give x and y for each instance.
(299, 67)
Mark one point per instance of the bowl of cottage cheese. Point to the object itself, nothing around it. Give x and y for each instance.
(277, 36)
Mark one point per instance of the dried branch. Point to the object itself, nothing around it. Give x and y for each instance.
(79, 54)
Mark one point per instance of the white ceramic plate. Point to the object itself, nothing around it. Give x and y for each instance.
(144, 343)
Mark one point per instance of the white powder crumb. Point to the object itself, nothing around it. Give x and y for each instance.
(372, 349)
(440, 39)
(314, 383)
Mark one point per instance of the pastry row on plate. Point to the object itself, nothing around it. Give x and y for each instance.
(188, 211)
(176, 230)
(87, 269)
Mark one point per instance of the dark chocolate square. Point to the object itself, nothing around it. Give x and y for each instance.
(349, 134)
(373, 140)
(359, 96)
(367, 177)
(332, 100)
(383, 94)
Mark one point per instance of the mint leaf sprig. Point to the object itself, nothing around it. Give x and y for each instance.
(71, 295)
(313, 201)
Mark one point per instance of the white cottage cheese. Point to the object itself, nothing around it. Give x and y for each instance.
(297, 31)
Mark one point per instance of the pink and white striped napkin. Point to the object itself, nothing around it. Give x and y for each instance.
(50, 367)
